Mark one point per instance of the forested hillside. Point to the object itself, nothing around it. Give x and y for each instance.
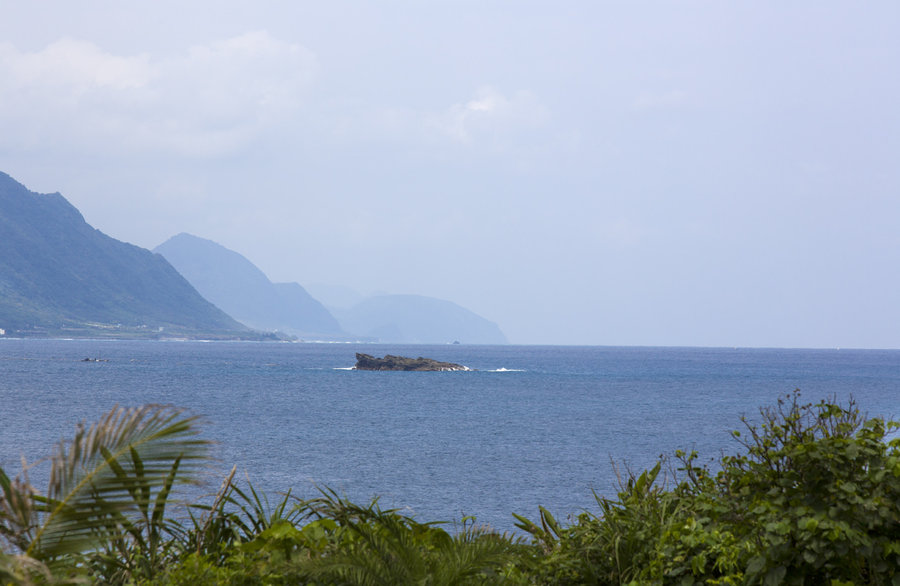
(60, 276)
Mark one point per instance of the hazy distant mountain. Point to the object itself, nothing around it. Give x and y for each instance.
(242, 290)
(60, 276)
(336, 298)
(303, 313)
(418, 319)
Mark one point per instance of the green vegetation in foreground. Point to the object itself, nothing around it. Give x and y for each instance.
(813, 497)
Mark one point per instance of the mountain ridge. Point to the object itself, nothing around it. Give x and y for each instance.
(241, 289)
(61, 276)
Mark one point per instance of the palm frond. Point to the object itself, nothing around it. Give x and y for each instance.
(16, 511)
(380, 547)
(21, 570)
(118, 466)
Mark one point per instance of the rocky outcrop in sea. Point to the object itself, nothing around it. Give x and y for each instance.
(389, 362)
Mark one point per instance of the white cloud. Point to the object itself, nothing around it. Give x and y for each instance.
(212, 99)
(489, 122)
(490, 112)
(72, 65)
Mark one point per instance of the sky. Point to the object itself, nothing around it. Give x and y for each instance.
(692, 173)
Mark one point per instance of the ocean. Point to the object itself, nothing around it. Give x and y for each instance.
(532, 425)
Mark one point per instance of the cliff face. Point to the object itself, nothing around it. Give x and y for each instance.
(57, 273)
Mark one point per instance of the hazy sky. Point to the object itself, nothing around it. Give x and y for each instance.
(618, 173)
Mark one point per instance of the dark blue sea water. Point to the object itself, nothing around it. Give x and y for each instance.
(532, 426)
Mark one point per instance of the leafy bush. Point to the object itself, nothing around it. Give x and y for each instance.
(617, 546)
(814, 498)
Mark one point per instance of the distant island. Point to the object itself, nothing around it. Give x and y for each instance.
(402, 363)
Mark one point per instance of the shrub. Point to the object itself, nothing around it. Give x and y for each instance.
(813, 498)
